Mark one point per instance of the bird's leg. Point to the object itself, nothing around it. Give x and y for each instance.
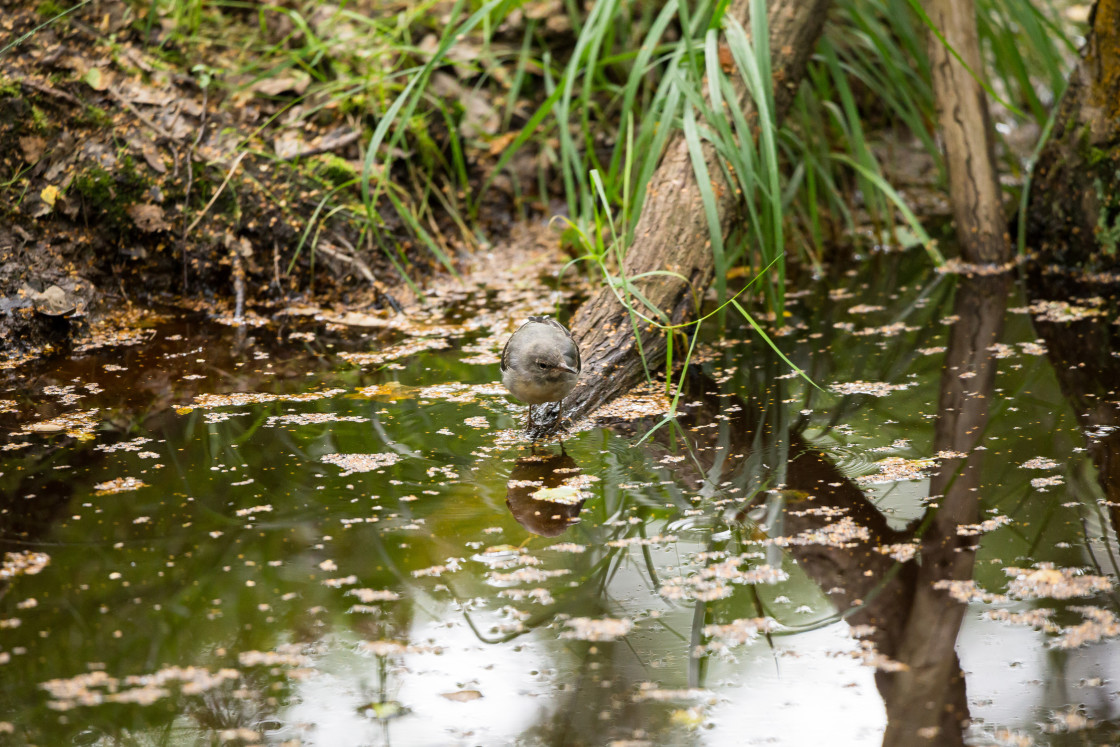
(530, 425)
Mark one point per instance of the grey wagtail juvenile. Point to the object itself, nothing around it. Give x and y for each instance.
(540, 362)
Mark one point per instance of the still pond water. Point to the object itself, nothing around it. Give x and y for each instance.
(322, 533)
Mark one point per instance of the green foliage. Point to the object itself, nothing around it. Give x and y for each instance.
(606, 97)
(49, 9)
(1108, 218)
(95, 186)
(110, 193)
(40, 122)
(337, 171)
(96, 117)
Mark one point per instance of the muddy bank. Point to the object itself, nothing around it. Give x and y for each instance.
(133, 175)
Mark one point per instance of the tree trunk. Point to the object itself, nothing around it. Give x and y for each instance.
(672, 233)
(966, 127)
(1074, 208)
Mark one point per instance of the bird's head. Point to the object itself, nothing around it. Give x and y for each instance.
(551, 363)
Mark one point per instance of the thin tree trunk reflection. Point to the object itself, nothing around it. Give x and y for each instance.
(926, 702)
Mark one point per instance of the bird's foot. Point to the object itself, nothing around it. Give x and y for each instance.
(547, 421)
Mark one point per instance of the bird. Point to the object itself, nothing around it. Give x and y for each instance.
(540, 363)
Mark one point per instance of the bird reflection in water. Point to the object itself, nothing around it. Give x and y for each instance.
(542, 493)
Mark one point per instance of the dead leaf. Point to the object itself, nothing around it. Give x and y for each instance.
(32, 147)
(152, 157)
(275, 86)
(499, 144)
(462, 696)
(288, 145)
(138, 93)
(96, 79)
(148, 217)
(53, 302)
(726, 61)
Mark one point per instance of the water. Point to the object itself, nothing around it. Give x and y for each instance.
(360, 554)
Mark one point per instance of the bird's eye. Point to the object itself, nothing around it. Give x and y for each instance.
(542, 365)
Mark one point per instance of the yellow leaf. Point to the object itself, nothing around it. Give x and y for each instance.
(564, 495)
(50, 194)
(690, 718)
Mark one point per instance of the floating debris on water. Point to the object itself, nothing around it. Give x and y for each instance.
(602, 629)
(968, 591)
(80, 425)
(1099, 625)
(874, 388)
(351, 463)
(134, 445)
(403, 350)
(646, 401)
(715, 581)
(1064, 311)
(903, 552)
(738, 632)
(119, 485)
(1038, 618)
(369, 596)
(988, 525)
(1054, 583)
(240, 399)
(897, 469)
(95, 688)
(313, 418)
(843, 533)
(23, 563)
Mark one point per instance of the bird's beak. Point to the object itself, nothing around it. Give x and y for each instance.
(568, 368)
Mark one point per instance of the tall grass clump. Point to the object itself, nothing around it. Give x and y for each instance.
(602, 90)
(870, 85)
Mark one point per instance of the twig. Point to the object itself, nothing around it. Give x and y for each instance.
(233, 168)
(325, 145)
(49, 91)
(140, 115)
(363, 268)
(383, 294)
(190, 178)
(238, 281)
(276, 266)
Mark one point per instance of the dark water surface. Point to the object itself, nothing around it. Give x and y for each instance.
(368, 551)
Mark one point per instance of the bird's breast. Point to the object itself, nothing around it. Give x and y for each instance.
(535, 389)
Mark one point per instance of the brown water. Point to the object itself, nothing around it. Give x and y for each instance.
(369, 552)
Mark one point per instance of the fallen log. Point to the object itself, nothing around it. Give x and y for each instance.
(672, 233)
